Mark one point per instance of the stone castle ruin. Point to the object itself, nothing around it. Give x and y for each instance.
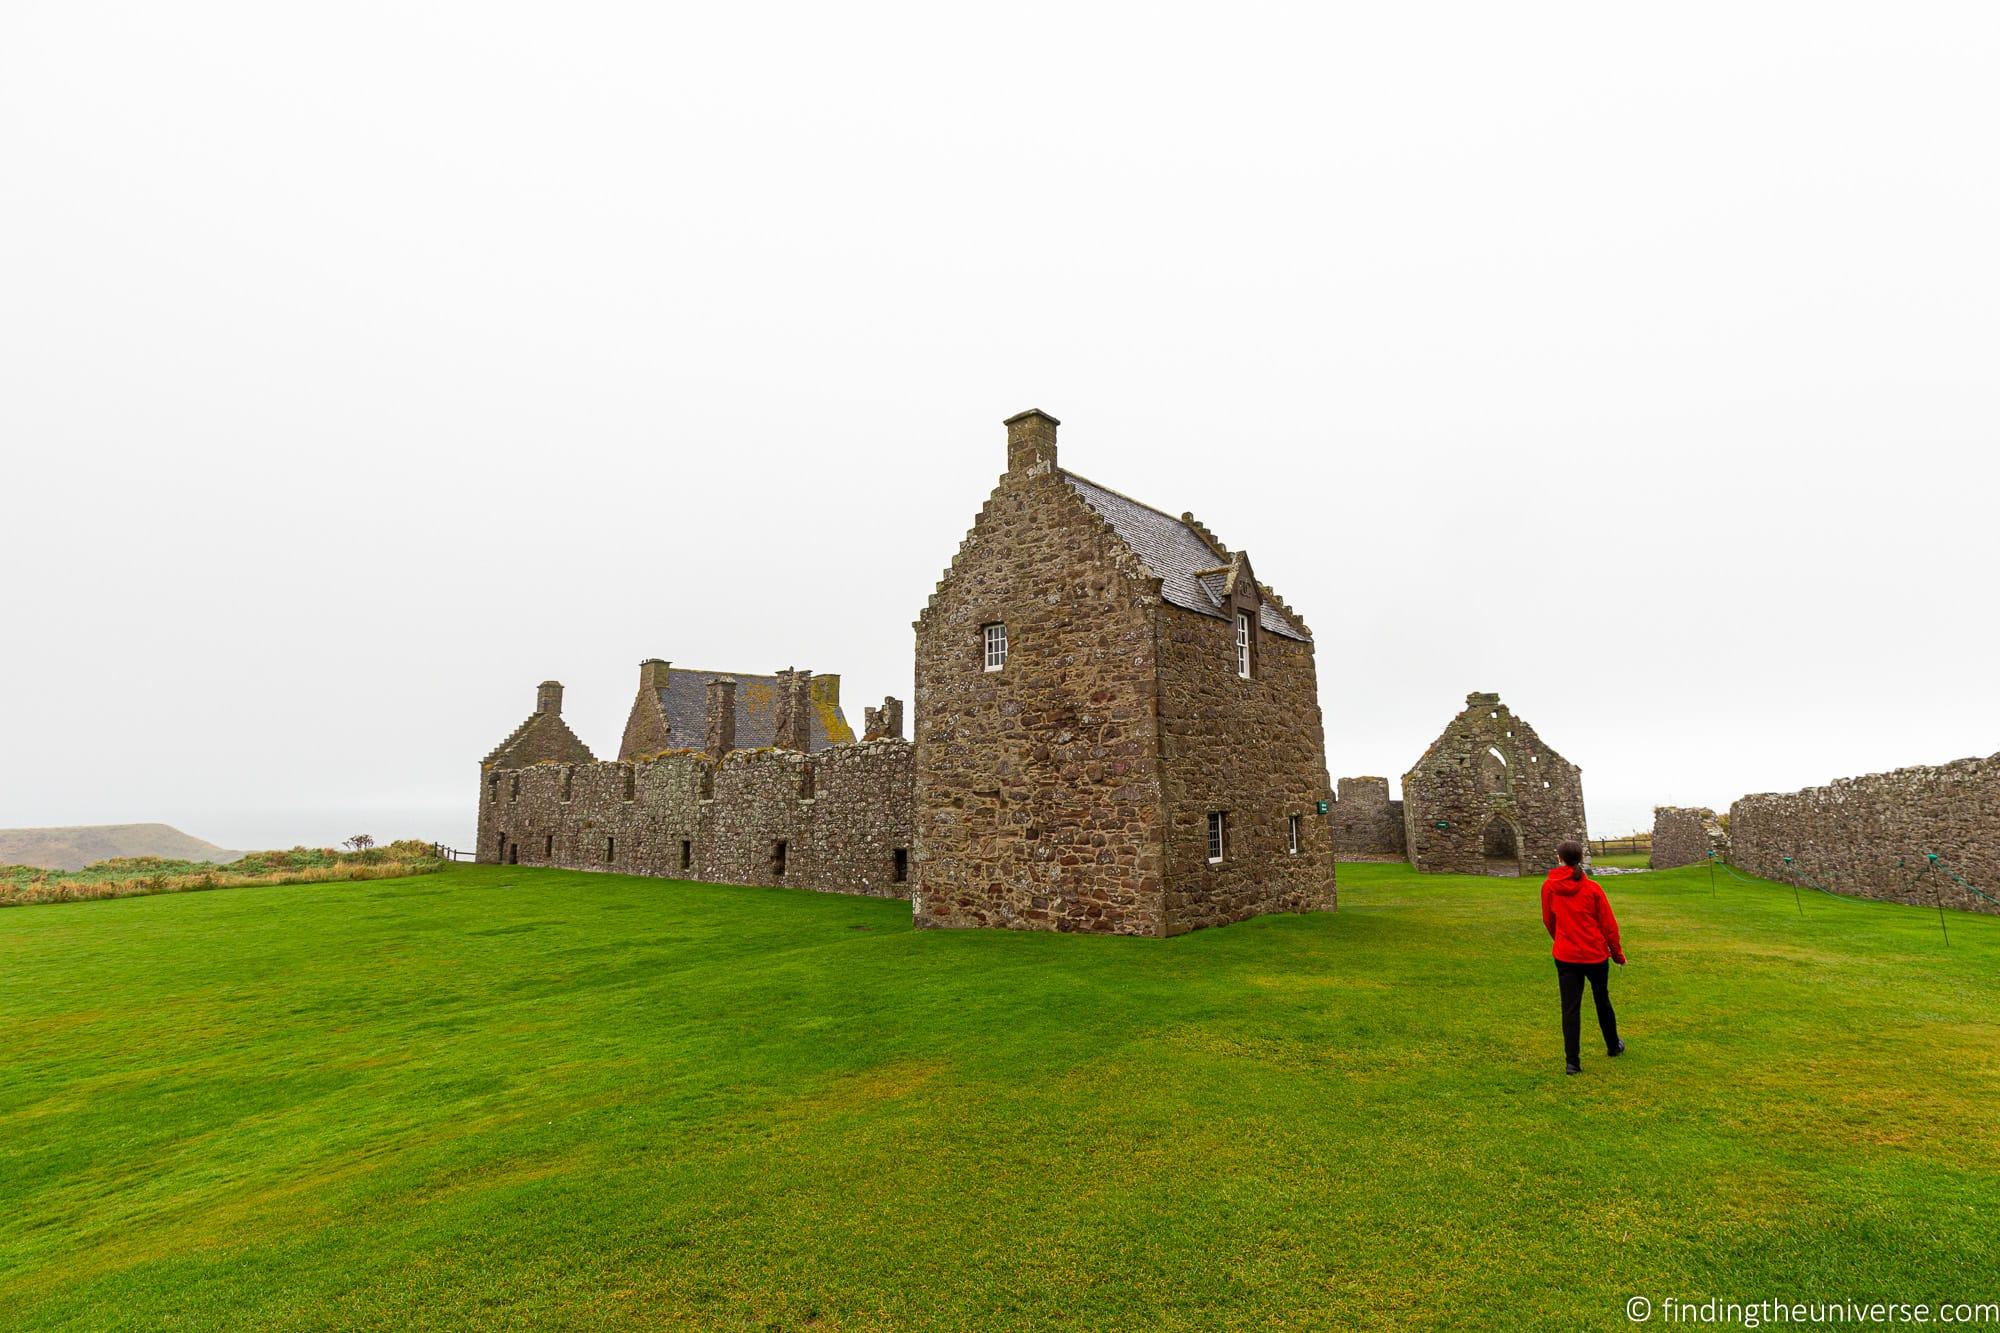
(803, 804)
(1871, 836)
(1117, 729)
(1367, 825)
(1489, 797)
(1686, 835)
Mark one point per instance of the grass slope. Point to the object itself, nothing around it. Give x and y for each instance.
(502, 1097)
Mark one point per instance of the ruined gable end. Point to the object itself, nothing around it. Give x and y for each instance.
(1488, 797)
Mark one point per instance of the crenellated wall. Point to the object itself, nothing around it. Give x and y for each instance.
(843, 816)
(1868, 836)
(1367, 825)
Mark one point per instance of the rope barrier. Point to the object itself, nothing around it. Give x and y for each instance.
(1932, 863)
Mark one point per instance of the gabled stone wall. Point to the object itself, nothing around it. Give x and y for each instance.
(1868, 836)
(1252, 750)
(843, 815)
(1037, 786)
(1685, 835)
(1487, 773)
(1367, 825)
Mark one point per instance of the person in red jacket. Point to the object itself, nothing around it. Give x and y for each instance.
(1579, 920)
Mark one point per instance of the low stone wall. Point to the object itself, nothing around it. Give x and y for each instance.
(1867, 836)
(837, 821)
(1367, 825)
(1685, 835)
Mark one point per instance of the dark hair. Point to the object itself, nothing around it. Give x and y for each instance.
(1571, 852)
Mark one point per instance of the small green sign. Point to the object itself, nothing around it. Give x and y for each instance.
(1442, 823)
(1322, 807)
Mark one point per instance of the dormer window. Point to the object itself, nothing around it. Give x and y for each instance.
(1243, 644)
(996, 646)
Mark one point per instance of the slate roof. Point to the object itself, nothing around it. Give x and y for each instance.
(1185, 564)
(684, 701)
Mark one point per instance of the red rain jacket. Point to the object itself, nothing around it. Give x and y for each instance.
(1579, 919)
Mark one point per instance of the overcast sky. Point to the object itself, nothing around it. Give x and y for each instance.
(361, 365)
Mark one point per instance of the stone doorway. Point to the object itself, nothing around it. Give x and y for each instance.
(1500, 844)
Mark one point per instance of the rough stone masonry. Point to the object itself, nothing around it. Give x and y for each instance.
(1685, 836)
(1868, 836)
(1117, 725)
(1489, 797)
(1117, 730)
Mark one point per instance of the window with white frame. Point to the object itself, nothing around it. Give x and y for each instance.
(1217, 821)
(1292, 834)
(996, 646)
(1243, 644)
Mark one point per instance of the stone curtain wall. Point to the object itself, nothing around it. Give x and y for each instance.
(1685, 835)
(1367, 825)
(1253, 749)
(842, 813)
(1867, 836)
(1038, 786)
(1459, 782)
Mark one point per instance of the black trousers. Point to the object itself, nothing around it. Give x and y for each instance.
(1571, 977)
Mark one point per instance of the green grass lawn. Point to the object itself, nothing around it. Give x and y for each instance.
(1625, 860)
(504, 1097)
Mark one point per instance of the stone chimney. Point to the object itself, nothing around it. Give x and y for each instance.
(792, 729)
(548, 697)
(721, 716)
(884, 723)
(653, 674)
(1031, 440)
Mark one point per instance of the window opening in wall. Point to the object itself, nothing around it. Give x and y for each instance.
(549, 847)
(1292, 834)
(996, 646)
(610, 848)
(778, 859)
(901, 873)
(500, 848)
(493, 787)
(1216, 840)
(515, 794)
(513, 853)
(569, 780)
(1243, 644)
(687, 854)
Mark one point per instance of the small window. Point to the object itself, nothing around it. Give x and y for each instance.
(513, 853)
(687, 854)
(1292, 834)
(1217, 827)
(515, 794)
(610, 849)
(1243, 644)
(996, 646)
(901, 873)
(493, 787)
(500, 849)
(778, 859)
(549, 847)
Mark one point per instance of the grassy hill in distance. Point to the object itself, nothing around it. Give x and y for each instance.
(85, 844)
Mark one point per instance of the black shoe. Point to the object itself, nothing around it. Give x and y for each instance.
(1617, 1050)
(1572, 1068)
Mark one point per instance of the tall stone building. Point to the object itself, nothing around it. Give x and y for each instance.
(1117, 726)
(1489, 798)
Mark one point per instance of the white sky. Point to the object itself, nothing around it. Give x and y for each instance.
(362, 365)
